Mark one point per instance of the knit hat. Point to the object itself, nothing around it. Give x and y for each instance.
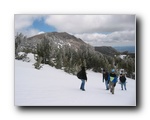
(113, 70)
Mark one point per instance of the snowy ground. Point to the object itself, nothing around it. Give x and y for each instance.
(53, 87)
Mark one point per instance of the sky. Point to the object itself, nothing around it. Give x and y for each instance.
(96, 30)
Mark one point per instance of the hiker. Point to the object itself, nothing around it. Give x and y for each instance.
(112, 81)
(105, 77)
(82, 75)
(122, 79)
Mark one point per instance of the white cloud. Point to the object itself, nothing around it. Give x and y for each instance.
(28, 32)
(112, 39)
(93, 29)
(122, 36)
(24, 22)
(32, 32)
(91, 23)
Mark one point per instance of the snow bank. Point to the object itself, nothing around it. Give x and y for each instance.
(31, 57)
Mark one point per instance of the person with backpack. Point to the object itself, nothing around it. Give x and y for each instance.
(122, 79)
(82, 76)
(105, 77)
(112, 81)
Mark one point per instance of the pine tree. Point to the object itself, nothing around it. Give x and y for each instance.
(38, 65)
(59, 61)
(19, 38)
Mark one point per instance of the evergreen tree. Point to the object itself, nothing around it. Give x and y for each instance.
(19, 38)
(59, 60)
(38, 65)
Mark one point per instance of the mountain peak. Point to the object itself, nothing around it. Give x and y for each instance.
(59, 38)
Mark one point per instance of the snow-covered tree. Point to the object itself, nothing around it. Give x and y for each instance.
(19, 38)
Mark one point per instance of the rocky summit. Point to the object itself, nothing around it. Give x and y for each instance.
(59, 38)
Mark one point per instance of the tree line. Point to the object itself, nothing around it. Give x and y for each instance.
(70, 60)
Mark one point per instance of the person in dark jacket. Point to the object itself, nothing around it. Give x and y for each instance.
(112, 81)
(82, 75)
(105, 77)
(122, 79)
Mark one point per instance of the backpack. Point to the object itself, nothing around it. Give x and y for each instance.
(79, 75)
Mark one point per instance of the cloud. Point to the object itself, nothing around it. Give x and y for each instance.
(29, 32)
(24, 22)
(91, 23)
(112, 39)
(122, 36)
(93, 29)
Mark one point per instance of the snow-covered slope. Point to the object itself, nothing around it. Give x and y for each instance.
(53, 87)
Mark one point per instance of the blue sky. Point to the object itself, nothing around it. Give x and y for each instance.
(96, 30)
(42, 26)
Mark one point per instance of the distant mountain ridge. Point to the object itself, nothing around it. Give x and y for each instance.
(130, 49)
(107, 50)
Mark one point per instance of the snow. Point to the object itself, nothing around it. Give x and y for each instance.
(122, 56)
(69, 44)
(53, 87)
(31, 57)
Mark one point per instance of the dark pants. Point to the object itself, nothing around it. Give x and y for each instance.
(111, 87)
